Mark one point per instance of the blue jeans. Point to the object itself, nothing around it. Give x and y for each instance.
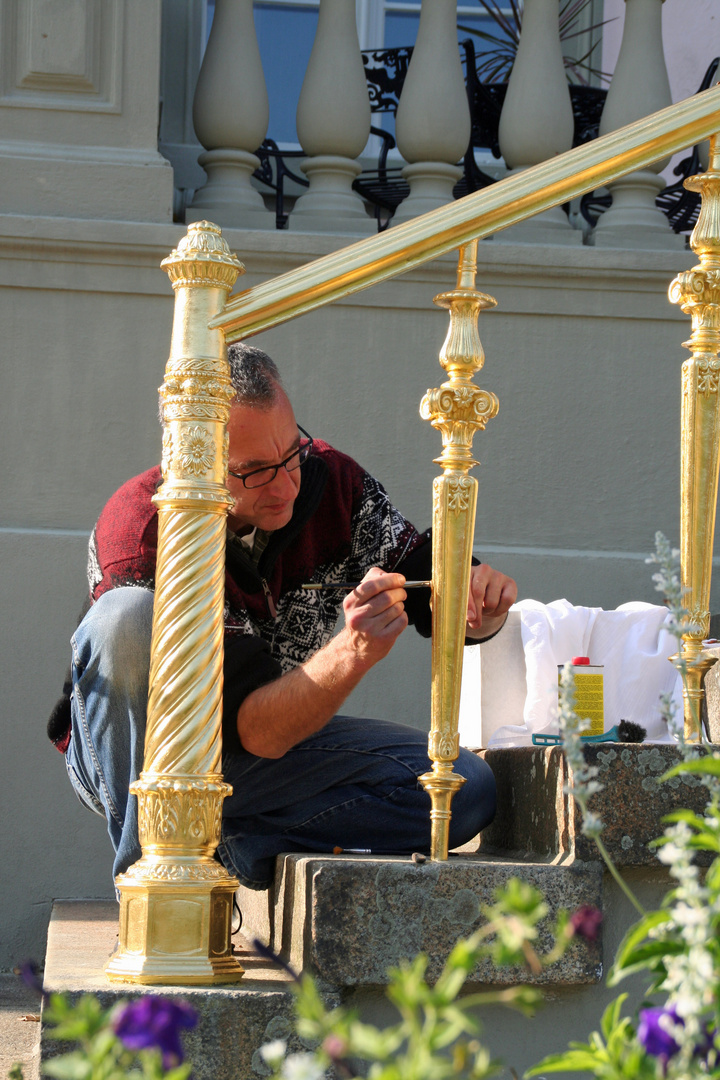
(352, 785)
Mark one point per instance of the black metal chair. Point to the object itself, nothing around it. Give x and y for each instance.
(681, 206)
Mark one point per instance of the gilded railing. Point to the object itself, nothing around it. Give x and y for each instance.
(506, 203)
(175, 920)
(698, 293)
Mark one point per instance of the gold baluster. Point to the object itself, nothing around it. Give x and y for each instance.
(698, 293)
(457, 409)
(176, 901)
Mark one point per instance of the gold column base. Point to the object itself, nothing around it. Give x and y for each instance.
(698, 664)
(176, 901)
(175, 931)
(441, 784)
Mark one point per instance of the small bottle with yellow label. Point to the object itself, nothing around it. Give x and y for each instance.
(589, 698)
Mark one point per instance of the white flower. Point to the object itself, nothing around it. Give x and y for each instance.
(273, 1052)
(302, 1067)
(592, 824)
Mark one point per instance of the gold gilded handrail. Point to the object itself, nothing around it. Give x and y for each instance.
(506, 203)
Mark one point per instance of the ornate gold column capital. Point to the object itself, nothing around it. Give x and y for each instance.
(203, 258)
(197, 391)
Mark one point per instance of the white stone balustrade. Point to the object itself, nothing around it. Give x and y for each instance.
(230, 114)
(639, 86)
(536, 121)
(333, 125)
(433, 118)
(432, 125)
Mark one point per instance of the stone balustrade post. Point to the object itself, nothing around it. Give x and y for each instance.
(433, 118)
(639, 86)
(230, 114)
(333, 125)
(536, 122)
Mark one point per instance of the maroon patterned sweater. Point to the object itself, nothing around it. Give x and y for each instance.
(343, 523)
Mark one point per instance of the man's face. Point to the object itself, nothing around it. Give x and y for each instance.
(258, 437)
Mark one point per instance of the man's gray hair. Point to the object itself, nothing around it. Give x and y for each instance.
(254, 375)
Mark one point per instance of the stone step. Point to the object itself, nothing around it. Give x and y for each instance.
(234, 1021)
(535, 817)
(344, 918)
(348, 918)
(19, 1029)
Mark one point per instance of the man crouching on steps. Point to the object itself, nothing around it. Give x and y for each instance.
(304, 777)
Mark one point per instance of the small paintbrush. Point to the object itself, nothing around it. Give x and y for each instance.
(350, 585)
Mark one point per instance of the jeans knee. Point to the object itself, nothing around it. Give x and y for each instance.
(113, 640)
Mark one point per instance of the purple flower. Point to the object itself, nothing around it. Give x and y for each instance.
(653, 1036)
(586, 922)
(30, 975)
(155, 1022)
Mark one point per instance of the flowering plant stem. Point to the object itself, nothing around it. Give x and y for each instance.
(678, 944)
(622, 884)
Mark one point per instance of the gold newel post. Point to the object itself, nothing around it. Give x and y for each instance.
(457, 409)
(698, 293)
(176, 901)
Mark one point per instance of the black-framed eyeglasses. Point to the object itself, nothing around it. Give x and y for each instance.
(259, 477)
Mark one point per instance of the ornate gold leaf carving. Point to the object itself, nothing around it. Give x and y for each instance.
(198, 410)
(225, 453)
(203, 258)
(196, 451)
(707, 377)
(457, 409)
(459, 490)
(147, 870)
(167, 450)
(183, 814)
(697, 291)
(444, 745)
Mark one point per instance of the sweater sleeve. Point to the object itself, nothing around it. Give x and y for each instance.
(248, 664)
(417, 566)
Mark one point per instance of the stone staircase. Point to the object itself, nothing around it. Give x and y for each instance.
(347, 918)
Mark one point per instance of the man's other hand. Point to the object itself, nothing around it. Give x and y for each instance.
(375, 614)
(490, 597)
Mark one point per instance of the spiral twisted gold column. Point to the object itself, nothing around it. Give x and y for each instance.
(457, 409)
(176, 901)
(698, 293)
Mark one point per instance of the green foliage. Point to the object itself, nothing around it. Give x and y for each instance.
(613, 1053)
(677, 946)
